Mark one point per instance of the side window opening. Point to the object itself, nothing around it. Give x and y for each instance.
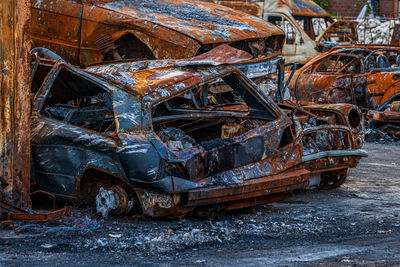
(340, 64)
(319, 24)
(39, 75)
(306, 23)
(287, 137)
(348, 65)
(78, 101)
(286, 26)
(209, 115)
(327, 65)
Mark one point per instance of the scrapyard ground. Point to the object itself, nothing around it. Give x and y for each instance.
(358, 223)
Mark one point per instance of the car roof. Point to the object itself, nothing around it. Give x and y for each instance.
(205, 22)
(296, 7)
(154, 78)
(145, 77)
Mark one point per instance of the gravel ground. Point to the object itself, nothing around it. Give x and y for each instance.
(357, 224)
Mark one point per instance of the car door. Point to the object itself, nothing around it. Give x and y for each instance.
(298, 47)
(73, 128)
(56, 25)
(383, 84)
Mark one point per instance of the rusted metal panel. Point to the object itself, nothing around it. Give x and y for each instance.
(15, 101)
(254, 8)
(12, 213)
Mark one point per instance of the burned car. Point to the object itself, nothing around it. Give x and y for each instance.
(166, 138)
(84, 32)
(364, 75)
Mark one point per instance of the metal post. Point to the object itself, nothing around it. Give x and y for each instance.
(15, 102)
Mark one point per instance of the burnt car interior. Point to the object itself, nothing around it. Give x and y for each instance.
(211, 114)
(76, 100)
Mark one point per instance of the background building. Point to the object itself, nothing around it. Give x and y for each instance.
(351, 8)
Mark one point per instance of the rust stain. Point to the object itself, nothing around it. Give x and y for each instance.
(15, 102)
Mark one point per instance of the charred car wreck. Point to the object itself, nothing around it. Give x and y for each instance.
(166, 138)
(85, 32)
(367, 76)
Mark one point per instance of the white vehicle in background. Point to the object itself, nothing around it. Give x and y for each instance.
(309, 28)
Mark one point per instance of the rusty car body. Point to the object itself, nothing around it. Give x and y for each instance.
(174, 136)
(84, 32)
(364, 75)
(309, 29)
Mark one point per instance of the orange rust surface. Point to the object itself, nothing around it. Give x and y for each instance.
(391, 116)
(15, 101)
(383, 84)
(284, 182)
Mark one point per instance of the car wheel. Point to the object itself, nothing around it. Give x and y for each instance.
(333, 179)
(115, 200)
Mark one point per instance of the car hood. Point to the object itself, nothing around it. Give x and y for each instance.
(205, 22)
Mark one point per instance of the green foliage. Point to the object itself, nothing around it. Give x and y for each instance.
(322, 3)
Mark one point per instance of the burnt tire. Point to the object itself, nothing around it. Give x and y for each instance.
(98, 189)
(332, 179)
(116, 200)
